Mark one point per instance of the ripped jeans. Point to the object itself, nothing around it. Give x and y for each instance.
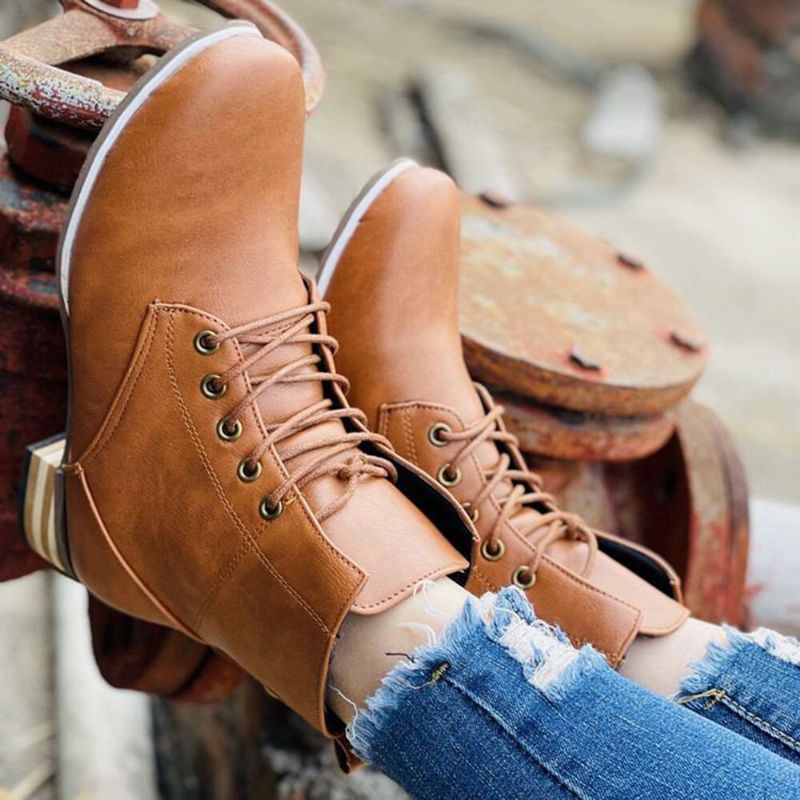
(504, 708)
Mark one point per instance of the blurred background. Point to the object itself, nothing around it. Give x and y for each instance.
(604, 111)
(584, 106)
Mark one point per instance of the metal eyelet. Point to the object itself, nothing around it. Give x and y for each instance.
(202, 344)
(229, 430)
(447, 477)
(212, 387)
(523, 577)
(268, 511)
(474, 514)
(435, 430)
(247, 471)
(493, 555)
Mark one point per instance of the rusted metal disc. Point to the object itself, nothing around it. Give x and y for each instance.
(578, 435)
(555, 315)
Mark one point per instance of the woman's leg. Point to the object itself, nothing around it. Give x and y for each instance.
(504, 707)
(661, 663)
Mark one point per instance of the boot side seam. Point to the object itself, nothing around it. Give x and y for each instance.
(247, 535)
(123, 396)
(151, 596)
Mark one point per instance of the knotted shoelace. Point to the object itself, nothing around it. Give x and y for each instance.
(526, 491)
(337, 454)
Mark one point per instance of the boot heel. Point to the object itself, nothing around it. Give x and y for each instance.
(41, 500)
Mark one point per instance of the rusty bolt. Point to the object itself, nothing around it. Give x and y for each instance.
(578, 358)
(631, 262)
(685, 342)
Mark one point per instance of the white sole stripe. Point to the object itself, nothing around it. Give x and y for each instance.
(353, 217)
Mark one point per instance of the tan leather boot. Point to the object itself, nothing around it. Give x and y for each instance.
(216, 480)
(391, 276)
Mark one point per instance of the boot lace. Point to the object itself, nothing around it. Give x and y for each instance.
(526, 491)
(338, 454)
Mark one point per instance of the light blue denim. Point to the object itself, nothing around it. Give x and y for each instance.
(505, 708)
(751, 686)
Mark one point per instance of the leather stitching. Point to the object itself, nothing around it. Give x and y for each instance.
(124, 394)
(238, 524)
(405, 418)
(721, 696)
(501, 726)
(383, 421)
(220, 580)
(438, 570)
(140, 584)
(251, 541)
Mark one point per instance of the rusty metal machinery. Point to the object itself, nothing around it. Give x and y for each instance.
(64, 78)
(747, 57)
(593, 359)
(121, 30)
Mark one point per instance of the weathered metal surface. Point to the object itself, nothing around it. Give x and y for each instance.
(558, 317)
(747, 58)
(29, 78)
(30, 221)
(687, 501)
(27, 407)
(32, 354)
(44, 150)
(770, 21)
(716, 567)
(581, 436)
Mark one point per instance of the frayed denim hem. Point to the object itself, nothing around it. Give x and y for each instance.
(549, 662)
(719, 657)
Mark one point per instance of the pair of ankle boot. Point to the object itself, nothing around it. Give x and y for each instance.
(216, 480)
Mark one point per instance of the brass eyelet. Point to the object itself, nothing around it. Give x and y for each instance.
(523, 577)
(493, 555)
(229, 430)
(474, 514)
(435, 430)
(247, 471)
(447, 477)
(202, 345)
(212, 387)
(268, 511)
